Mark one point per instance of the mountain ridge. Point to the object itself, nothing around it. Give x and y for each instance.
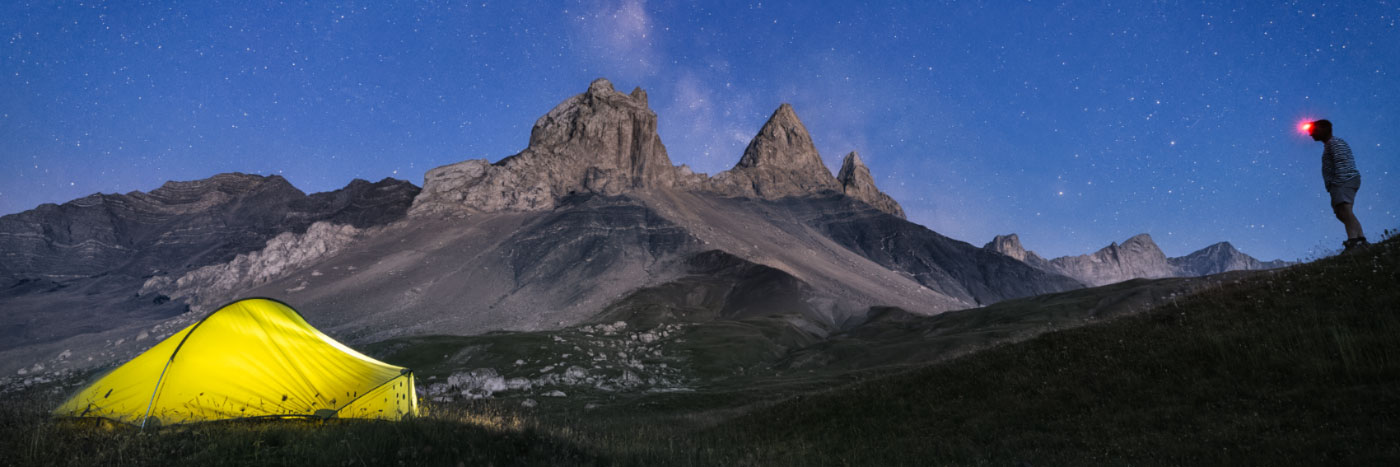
(77, 268)
(1135, 258)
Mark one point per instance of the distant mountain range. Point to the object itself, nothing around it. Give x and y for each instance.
(591, 221)
(1137, 257)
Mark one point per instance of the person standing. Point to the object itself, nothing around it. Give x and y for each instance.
(1342, 180)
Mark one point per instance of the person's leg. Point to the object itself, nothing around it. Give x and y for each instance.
(1344, 214)
(1353, 224)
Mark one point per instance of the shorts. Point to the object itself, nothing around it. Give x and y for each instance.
(1345, 192)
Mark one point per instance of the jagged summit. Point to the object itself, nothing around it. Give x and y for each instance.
(783, 142)
(601, 141)
(780, 161)
(607, 133)
(857, 183)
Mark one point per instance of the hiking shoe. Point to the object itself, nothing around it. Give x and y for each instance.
(1354, 244)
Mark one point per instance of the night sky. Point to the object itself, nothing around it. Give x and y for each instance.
(1070, 123)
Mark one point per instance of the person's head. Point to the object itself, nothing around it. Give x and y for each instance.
(1321, 130)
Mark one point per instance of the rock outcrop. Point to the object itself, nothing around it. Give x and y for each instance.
(360, 204)
(857, 183)
(1138, 257)
(601, 141)
(1010, 245)
(780, 161)
(211, 286)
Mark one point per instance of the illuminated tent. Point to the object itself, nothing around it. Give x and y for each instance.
(254, 358)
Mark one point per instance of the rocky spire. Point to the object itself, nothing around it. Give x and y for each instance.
(780, 161)
(857, 183)
(601, 141)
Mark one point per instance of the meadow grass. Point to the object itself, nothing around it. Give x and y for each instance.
(447, 435)
(1299, 367)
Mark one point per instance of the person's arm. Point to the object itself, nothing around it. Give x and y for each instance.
(1329, 167)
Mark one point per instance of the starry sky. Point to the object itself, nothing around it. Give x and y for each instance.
(1073, 124)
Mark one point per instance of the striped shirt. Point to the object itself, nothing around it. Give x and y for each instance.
(1337, 164)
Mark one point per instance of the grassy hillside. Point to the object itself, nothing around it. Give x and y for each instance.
(1301, 367)
(1296, 367)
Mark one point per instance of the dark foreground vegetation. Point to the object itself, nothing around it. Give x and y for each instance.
(1296, 367)
(1299, 367)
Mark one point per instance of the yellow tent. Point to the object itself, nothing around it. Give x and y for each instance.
(252, 358)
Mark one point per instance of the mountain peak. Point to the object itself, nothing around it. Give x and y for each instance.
(1140, 239)
(857, 183)
(1009, 245)
(1138, 246)
(599, 86)
(785, 115)
(783, 142)
(1224, 247)
(780, 161)
(1218, 258)
(601, 141)
(852, 160)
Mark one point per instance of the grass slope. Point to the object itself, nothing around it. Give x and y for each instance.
(461, 436)
(1301, 367)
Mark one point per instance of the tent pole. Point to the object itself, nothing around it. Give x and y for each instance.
(155, 391)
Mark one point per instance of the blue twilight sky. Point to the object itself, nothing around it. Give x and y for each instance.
(1073, 124)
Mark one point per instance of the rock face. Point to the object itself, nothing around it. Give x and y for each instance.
(601, 141)
(857, 183)
(1138, 257)
(715, 285)
(780, 161)
(950, 267)
(360, 204)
